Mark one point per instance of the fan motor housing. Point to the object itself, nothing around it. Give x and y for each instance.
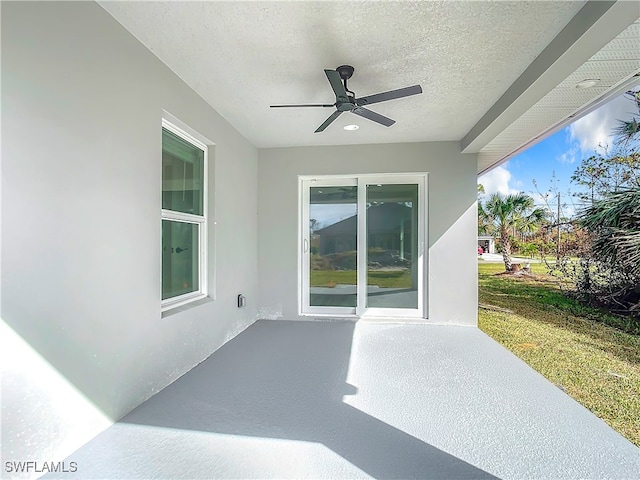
(345, 71)
(345, 106)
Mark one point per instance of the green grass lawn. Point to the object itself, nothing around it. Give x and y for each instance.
(597, 365)
(382, 278)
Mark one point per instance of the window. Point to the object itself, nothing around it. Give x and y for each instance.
(184, 217)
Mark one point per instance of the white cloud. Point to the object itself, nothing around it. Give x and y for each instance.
(594, 130)
(545, 200)
(549, 201)
(567, 210)
(498, 180)
(571, 155)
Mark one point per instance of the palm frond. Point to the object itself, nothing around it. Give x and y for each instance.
(615, 223)
(627, 130)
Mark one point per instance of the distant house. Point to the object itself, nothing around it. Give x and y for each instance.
(389, 226)
(488, 243)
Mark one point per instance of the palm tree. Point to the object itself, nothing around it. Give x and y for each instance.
(484, 227)
(627, 131)
(614, 222)
(506, 213)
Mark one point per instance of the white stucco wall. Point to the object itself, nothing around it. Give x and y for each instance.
(82, 102)
(452, 219)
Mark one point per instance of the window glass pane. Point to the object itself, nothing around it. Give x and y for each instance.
(182, 175)
(333, 225)
(392, 246)
(179, 258)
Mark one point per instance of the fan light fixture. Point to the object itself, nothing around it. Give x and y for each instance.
(588, 83)
(351, 127)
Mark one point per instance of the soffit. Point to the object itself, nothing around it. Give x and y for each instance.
(616, 65)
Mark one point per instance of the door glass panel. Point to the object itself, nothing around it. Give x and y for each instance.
(392, 246)
(179, 258)
(333, 228)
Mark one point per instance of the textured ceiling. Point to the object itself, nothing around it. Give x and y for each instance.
(243, 56)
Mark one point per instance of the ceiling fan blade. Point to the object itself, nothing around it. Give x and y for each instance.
(328, 121)
(337, 86)
(390, 95)
(376, 117)
(305, 105)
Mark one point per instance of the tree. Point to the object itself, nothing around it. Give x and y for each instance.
(607, 172)
(482, 226)
(614, 223)
(613, 277)
(503, 214)
(606, 231)
(613, 170)
(629, 130)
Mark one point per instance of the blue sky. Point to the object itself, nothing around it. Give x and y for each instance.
(560, 153)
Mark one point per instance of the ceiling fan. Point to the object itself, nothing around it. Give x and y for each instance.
(346, 100)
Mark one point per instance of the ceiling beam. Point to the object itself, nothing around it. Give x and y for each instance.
(595, 25)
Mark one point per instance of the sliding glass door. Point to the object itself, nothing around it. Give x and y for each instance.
(329, 246)
(362, 246)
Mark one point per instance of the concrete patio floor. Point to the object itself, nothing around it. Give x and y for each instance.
(353, 400)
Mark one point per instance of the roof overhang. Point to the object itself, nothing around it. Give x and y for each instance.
(602, 40)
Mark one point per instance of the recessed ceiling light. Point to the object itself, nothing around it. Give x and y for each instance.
(588, 83)
(351, 127)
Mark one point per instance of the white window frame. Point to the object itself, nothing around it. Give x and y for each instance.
(199, 220)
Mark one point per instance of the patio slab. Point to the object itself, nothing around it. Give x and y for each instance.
(358, 400)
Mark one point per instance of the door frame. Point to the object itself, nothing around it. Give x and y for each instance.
(362, 310)
(304, 243)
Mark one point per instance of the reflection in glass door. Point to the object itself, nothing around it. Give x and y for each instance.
(362, 246)
(333, 229)
(392, 246)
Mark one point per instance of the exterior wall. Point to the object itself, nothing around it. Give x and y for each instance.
(452, 220)
(82, 102)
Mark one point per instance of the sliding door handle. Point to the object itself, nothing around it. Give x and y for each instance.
(305, 245)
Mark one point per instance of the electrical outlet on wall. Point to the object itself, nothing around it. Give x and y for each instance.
(242, 301)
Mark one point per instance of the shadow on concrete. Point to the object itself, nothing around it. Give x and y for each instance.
(289, 383)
